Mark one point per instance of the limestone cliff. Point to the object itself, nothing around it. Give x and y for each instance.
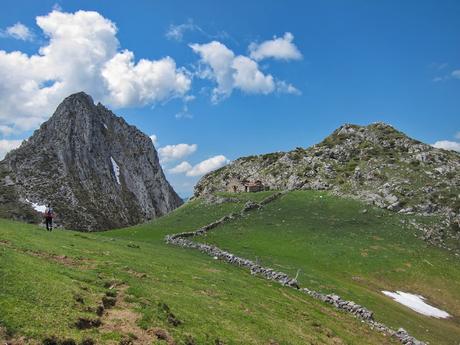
(97, 171)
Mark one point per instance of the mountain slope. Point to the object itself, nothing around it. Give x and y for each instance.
(50, 282)
(96, 170)
(376, 164)
(332, 246)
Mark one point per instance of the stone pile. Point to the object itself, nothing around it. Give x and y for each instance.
(349, 306)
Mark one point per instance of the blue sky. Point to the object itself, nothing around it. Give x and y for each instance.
(361, 62)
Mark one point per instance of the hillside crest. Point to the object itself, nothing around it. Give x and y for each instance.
(375, 163)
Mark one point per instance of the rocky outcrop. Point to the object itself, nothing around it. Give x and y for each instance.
(96, 170)
(376, 164)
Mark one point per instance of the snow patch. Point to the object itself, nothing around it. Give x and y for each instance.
(37, 207)
(416, 303)
(105, 126)
(116, 169)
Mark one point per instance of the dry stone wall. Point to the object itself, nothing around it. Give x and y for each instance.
(183, 240)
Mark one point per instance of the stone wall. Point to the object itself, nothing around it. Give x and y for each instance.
(182, 240)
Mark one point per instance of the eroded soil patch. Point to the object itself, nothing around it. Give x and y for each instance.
(123, 319)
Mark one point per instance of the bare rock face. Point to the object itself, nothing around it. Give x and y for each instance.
(96, 170)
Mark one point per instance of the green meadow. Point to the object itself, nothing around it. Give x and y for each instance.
(51, 285)
(343, 246)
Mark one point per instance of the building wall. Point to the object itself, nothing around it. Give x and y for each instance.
(236, 186)
(257, 188)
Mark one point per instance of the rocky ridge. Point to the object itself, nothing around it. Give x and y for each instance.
(376, 164)
(97, 171)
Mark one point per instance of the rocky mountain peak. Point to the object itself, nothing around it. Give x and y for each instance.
(77, 103)
(79, 97)
(377, 129)
(375, 163)
(96, 169)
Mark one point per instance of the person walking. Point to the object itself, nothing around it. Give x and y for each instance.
(49, 215)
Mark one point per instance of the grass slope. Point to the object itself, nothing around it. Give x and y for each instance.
(356, 254)
(49, 280)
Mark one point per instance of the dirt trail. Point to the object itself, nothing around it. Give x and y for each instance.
(122, 318)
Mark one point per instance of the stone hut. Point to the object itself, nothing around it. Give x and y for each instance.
(237, 186)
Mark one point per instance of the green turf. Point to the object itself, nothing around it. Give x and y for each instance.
(341, 249)
(43, 275)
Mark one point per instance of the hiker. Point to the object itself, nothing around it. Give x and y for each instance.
(49, 214)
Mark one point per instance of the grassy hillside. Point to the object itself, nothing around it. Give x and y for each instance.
(376, 164)
(52, 284)
(342, 248)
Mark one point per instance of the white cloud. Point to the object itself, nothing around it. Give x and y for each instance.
(8, 145)
(208, 165)
(457, 135)
(154, 139)
(447, 145)
(279, 48)
(183, 115)
(181, 168)
(18, 31)
(438, 79)
(82, 53)
(249, 78)
(283, 87)
(176, 32)
(219, 58)
(57, 7)
(174, 152)
(455, 74)
(441, 65)
(233, 72)
(145, 82)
